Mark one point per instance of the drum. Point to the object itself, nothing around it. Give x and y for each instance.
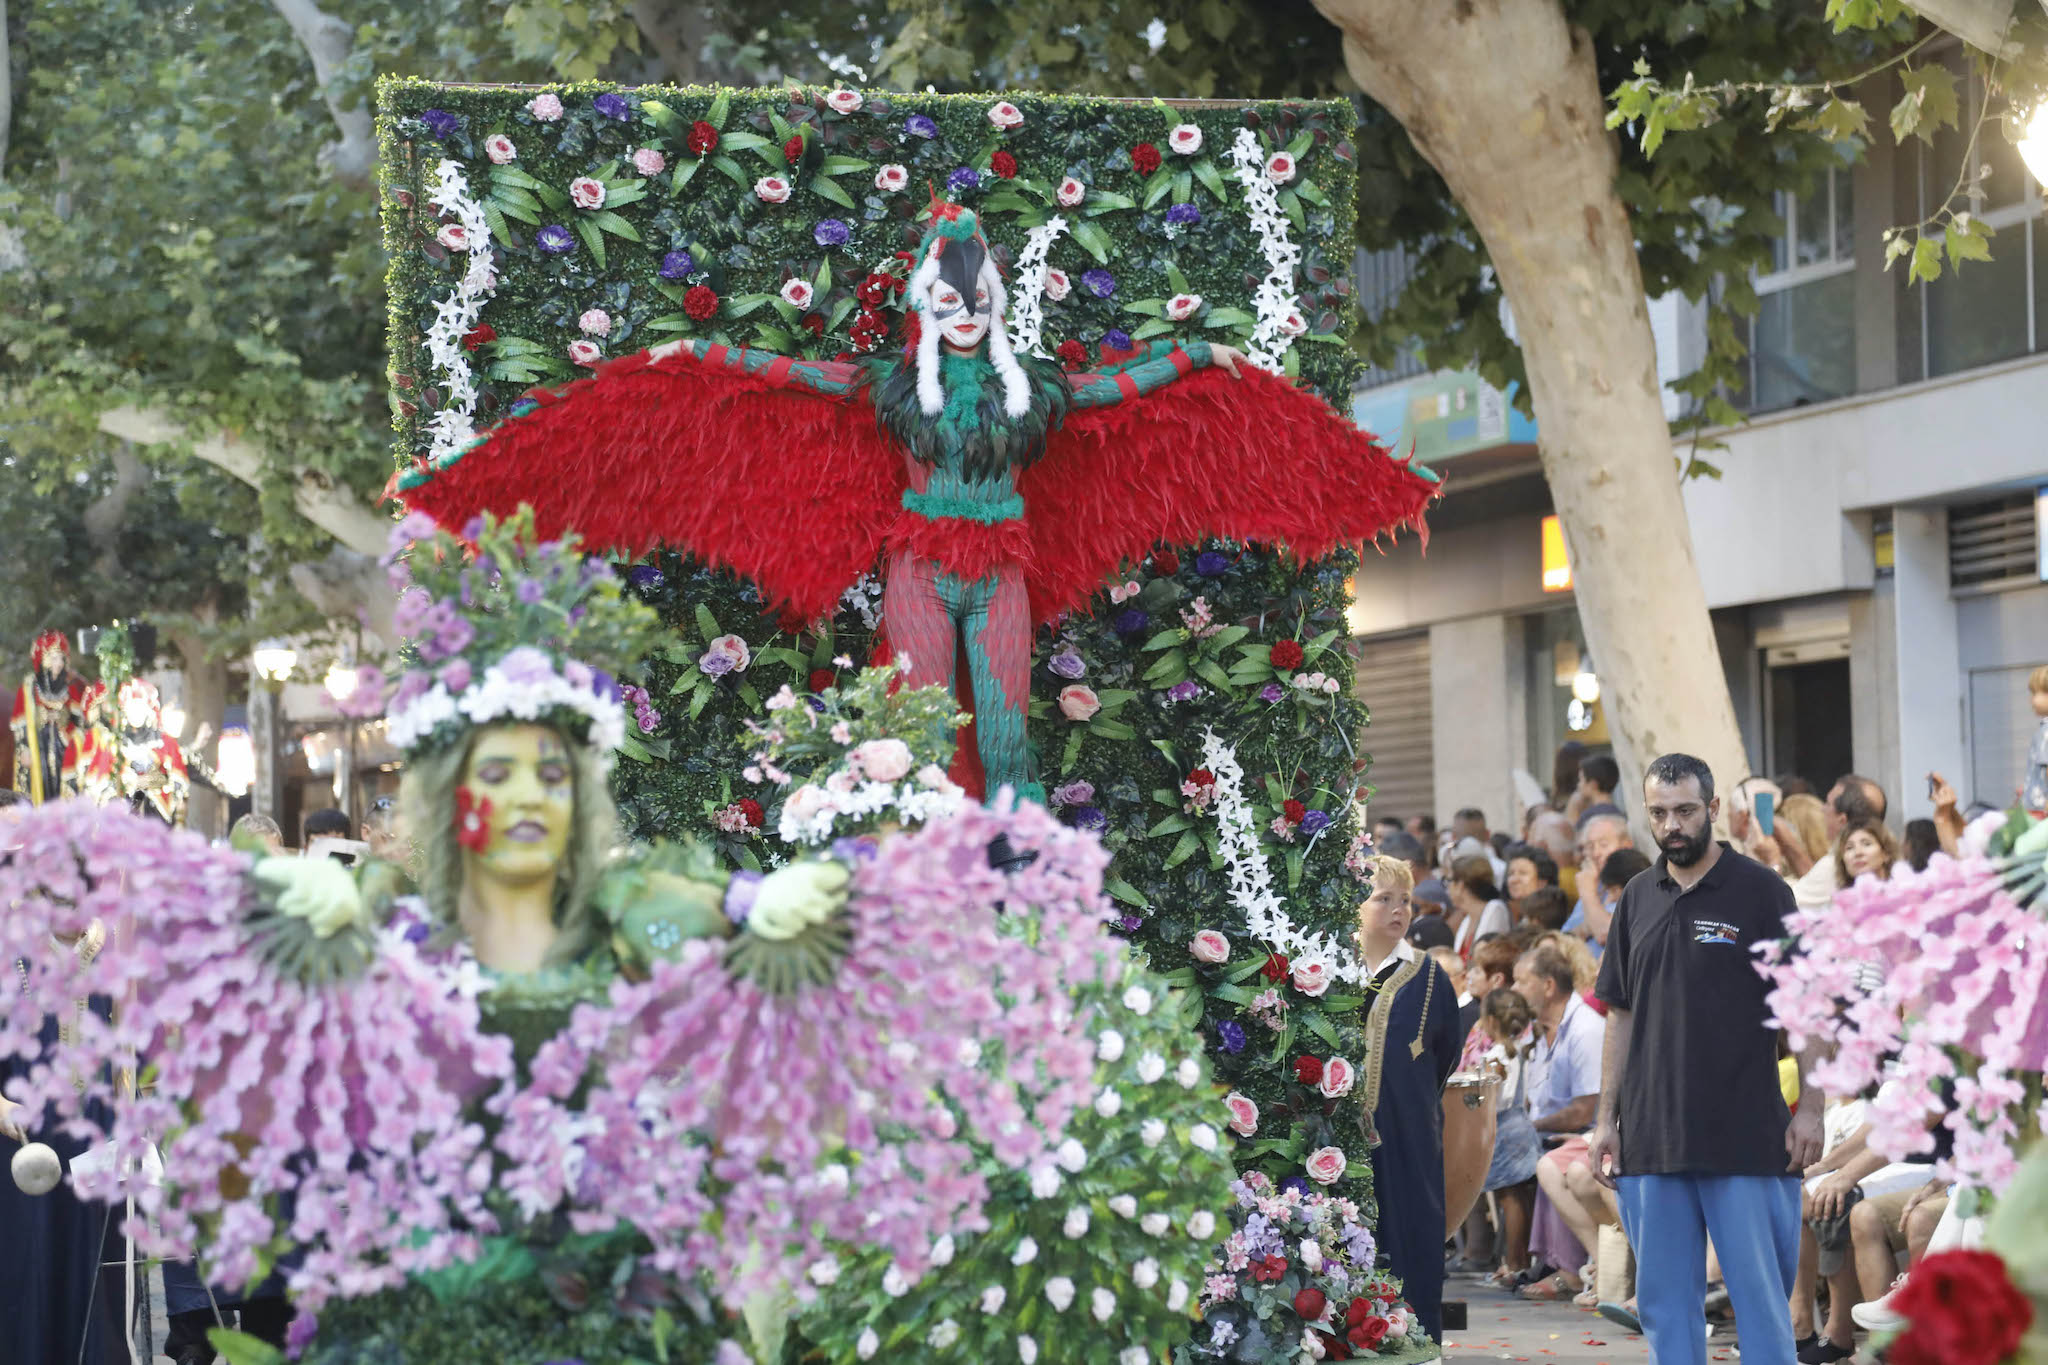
(1471, 1100)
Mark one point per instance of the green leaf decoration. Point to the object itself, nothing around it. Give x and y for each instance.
(730, 169)
(826, 188)
(1212, 179)
(721, 106)
(686, 168)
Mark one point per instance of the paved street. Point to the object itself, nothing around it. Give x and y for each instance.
(1505, 1328)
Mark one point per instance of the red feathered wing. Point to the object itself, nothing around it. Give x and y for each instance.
(787, 487)
(1251, 458)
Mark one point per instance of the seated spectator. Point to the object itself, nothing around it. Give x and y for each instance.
(1564, 1097)
(1528, 869)
(1921, 843)
(1791, 784)
(327, 824)
(1544, 908)
(1599, 777)
(1616, 872)
(257, 836)
(1599, 836)
(1470, 823)
(1385, 827)
(1505, 1018)
(1559, 838)
(1492, 969)
(1476, 906)
(1865, 849)
(1532, 815)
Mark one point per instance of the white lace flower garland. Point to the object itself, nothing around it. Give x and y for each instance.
(1251, 878)
(1274, 300)
(456, 316)
(1027, 305)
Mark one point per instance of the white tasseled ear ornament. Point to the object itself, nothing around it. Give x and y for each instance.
(931, 394)
(1016, 388)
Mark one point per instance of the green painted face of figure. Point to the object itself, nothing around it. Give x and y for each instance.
(516, 806)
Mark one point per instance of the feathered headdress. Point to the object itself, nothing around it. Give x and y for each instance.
(954, 249)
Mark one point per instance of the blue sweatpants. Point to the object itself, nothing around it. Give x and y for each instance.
(1754, 1221)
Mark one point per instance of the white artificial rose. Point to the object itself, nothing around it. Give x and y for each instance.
(1151, 1067)
(585, 352)
(824, 1272)
(943, 1335)
(1155, 1224)
(1076, 1224)
(1185, 138)
(883, 760)
(834, 1176)
(794, 898)
(1072, 1156)
(1202, 1225)
(1177, 1296)
(1101, 1304)
(1133, 1355)
(1145, 1273)
(844, 101)
(1138, 1000)
(1057, 284)
(992, 1298)
(500, 150)
(772, 189)
(1152, 1132)
(1059, 1292)
(1027, 1350)
(797, 293)
(891, 178)
(1109, 1045)
(1124, 1205)
(1071, 192)
(1045, 1182)
(1026, 1252)
(1188, 1073)
(1203, 1137)
(893, 1282)
(586, 193)
(868, 1344)
(942, 1250)
(1109, 1103)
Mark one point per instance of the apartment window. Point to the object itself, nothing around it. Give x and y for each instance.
(1802, 342)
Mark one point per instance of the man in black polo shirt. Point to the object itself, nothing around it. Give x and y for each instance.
(1691, 1117)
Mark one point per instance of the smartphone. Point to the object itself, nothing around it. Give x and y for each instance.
(1766, 808)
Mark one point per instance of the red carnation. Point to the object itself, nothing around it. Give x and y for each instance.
(1293, 810)
(703, 137)
(1961, 1309)
(822, 679)
(1286, 654)
(1072, 354)
(483, 334)
(751, 808)
(1166, 563)
(1333, 1347)
(1309, 1303)
(1275, 968)
(1357, 1311)
(1270, 1269)
(794, 148)
(1308, 1070)
(1004, 165)
(1368, 1334)
(700, 302)
(1145, 158)
(472, 820)
(814, 323)
(1202, 777)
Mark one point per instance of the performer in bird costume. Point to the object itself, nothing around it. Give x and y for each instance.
(997, 490)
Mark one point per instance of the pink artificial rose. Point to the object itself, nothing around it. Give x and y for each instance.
(1185, 139)
(500, 150)
(585, 352)
(1326, 1165)
(1005, 115)
(1071, 192)
(891, 178)
(1209, 946)
(595, 323)
(1124, 592)
(797, 293)
(453, 236)
(883, 760)
(1181, 307)
(1078, 702)
(648, 161)
(844, 101)
(1057, 284)
(1280, 168)
(1294, 324)
(1312, 975)
(546, 108)
(1244, 1116)
(771, 189)
(1338, 1078)
(586, 193)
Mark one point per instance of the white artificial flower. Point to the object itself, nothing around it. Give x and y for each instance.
(1280, 168)
(992, 1298)
(1071, 192)
(1202, 1225)
(1133, 1355)
(1059, 1292)
(1155, 1224)
(1108, 1103)
(1027, 1350)
(1188, 1073)
(824, 1272)
(1072, 1156)
(1181, 307)
(1109, 1045)
(771, 189)
(1138, 1000)
(834, 1177)
(1151, 1067)
(1005, 115)
(1312, 1347)
(1203, 1137)
(893, 1283)
(1076, 1224)
(1045, 1182)
(586, 193)
(891, 178)
(1101, 1304)
(585, 353)
(844, 101)
(595, 322)
(1124, 1205)
(1152, 1132)
(1311, 1254)
(943, 1335)
(1177, 1296)
(942, 1250)
(868, 1344)
(1056, 284)
(500, 150)
(1026, 1252)
(1185, 139)
(1145, 1273)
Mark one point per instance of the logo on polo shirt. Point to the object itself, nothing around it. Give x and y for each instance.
(1714, 931)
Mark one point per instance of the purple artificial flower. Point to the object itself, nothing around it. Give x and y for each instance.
(1230, 1034)
(604, 684)
(1131, 620)
(677, 265)
(555, 240)
(1183, 215)
(1271, 692)
(917, 125)
(1130, 922)
(526, 665)
(963, 178)
(530, 591)
(1067, 664)
(1116, 339)
(455, 675)
(830, 232)
(716, 663)
(1187, 689)
(442, 124)
(1073, 794)
(1297, 1182)
(612, 107)
(1315, 822)
(414, 685)
(299, 1335)
(1212, 563)
(576, 673)
(1099, 282)
(645, 576)
(1090, 818)
(473, 529)
(740, 892)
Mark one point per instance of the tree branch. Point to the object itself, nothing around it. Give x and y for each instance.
(327, 41)
(350, 585)
(333, 509)
(104, 518)
(6, 91)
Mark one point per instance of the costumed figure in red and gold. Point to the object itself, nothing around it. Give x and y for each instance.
(90, 762)
(48, 708)
(150, 772)
(997, 490)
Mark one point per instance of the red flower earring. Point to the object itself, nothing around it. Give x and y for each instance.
(472, 820)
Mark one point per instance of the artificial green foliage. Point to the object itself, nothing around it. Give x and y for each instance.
(1087, 1226)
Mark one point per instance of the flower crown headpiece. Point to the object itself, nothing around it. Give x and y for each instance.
(49, 642)
(501, 625)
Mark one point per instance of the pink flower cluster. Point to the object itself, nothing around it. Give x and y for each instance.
(351, 1097)
(1961, 966)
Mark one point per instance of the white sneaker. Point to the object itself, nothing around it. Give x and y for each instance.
(1878, 1316)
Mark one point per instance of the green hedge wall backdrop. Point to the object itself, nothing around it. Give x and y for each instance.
(1122, 696)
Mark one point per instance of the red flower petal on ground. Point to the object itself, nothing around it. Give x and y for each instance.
(1145, 158)
(1286, 654)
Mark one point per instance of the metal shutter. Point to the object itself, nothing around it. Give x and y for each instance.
(1393, 681)
(1991, 543)
(2002, 724)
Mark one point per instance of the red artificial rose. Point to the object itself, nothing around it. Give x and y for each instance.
(1202, 777)
(1293, 810)
(1308, 1070)
(1072, 354)
(1961, 1309)
(483, 334)
(1275, 968)
(794, 148)
(814, 323)
(1309, 1303)
(1368, 1334)
(1270, 1269)
(872, 291)
(1004, 165)
(1357, 1311)
(822, 678)
(1333, 1347)
(1166, 563)
(1145, 158)
(700, 302)
(751, 808)
(472, 820)
(1286, 654)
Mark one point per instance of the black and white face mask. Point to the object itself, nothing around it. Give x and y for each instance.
(961, 308)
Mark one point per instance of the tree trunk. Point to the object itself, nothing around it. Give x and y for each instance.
(206, 696)
(1503, 98)
(327, 40)
(6, 91)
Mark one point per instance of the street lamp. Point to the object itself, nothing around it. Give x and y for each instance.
(274, 661)
(341, 681)
(2034, 143)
